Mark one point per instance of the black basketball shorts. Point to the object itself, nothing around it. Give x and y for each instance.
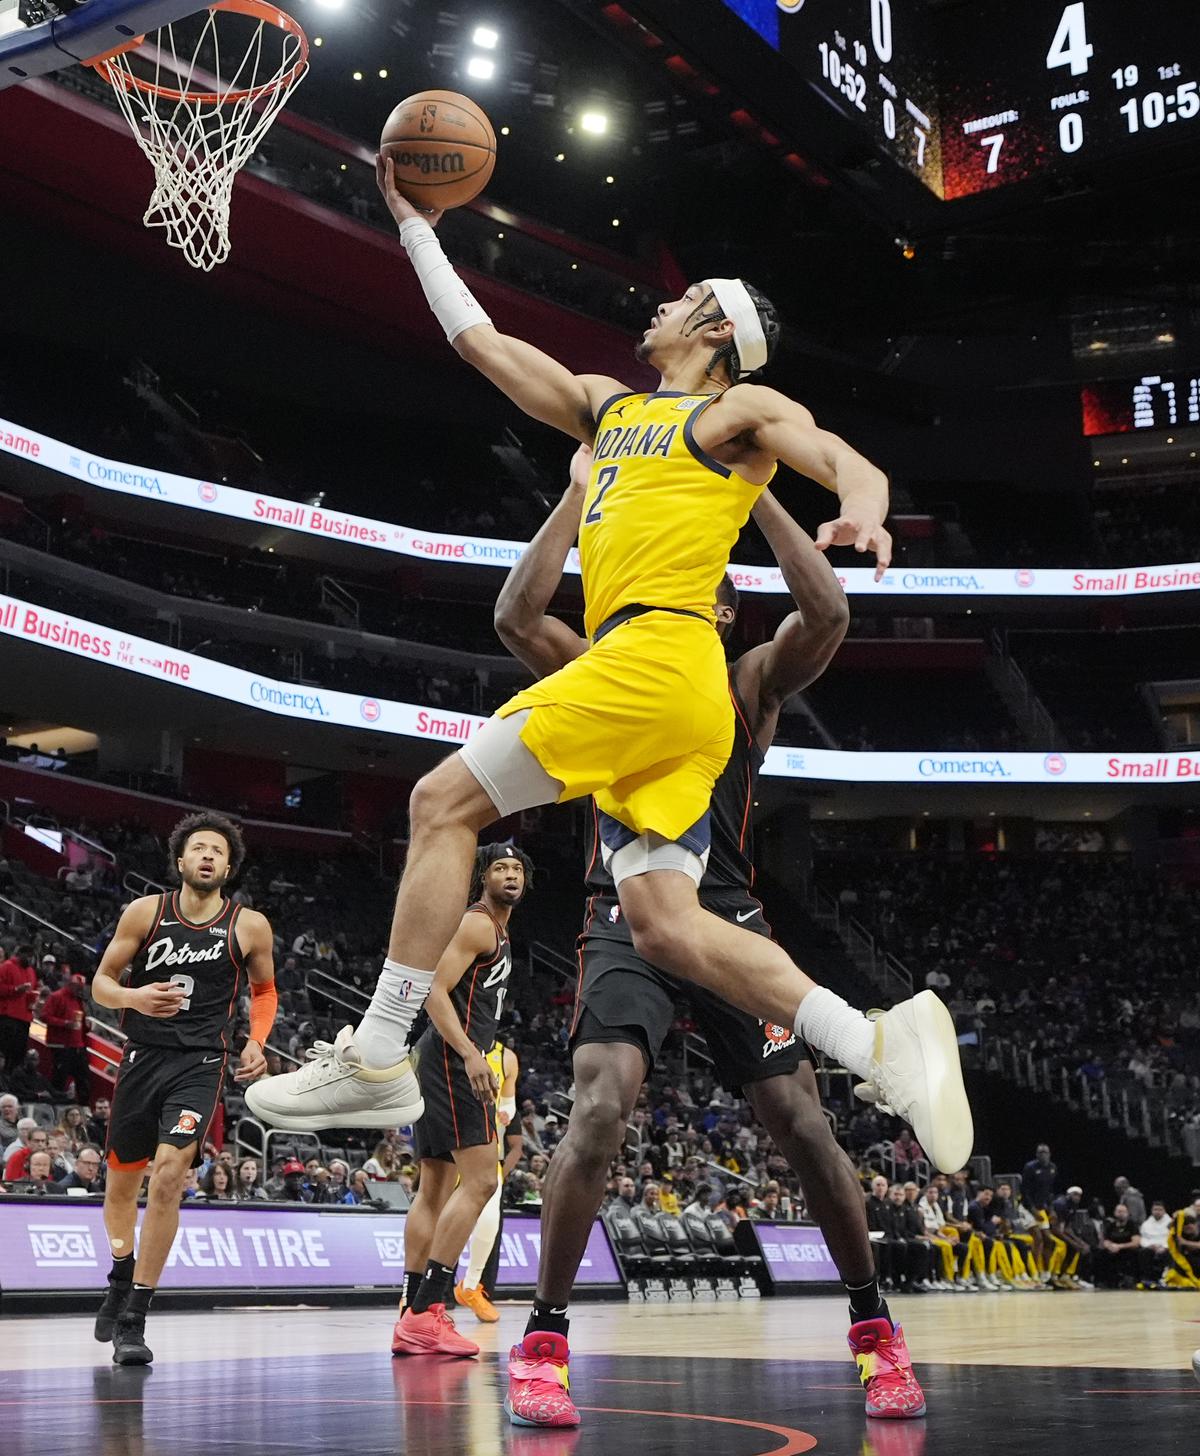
(623, 998)
(163, 1095)
(455, 1115)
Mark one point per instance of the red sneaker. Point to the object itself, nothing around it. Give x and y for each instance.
(430, 1333)
(538, 1382)
(885, 1369)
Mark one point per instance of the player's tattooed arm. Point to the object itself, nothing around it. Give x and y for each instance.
(805, 641)
(475, 936)
(162, 998)
(544, 643)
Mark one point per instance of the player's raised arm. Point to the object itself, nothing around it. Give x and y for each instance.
(805, 641)
(543, 643)
(786, 430)
(475, 936)
(162, 998)
(535, 382)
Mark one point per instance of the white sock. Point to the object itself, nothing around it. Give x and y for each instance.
(382, 1034)
(833, 1026)
(483, 1236)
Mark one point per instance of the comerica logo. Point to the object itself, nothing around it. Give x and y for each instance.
(310, 703)
(115, 475)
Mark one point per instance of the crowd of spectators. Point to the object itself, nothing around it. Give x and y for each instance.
(1081, 958)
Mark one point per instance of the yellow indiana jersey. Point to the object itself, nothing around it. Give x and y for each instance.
(661, 515)
(495, 1060)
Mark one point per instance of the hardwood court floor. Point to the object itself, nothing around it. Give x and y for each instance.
(1061, 1374)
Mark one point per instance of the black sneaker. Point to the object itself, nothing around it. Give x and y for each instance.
(129, 1341)
(110, 1311)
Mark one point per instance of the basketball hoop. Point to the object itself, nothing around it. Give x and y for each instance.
(200, 132)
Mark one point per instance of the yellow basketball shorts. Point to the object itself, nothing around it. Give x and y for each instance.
(643, 720)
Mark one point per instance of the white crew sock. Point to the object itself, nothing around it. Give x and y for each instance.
(483, 1236)
(382, 1034)
(833, 1026)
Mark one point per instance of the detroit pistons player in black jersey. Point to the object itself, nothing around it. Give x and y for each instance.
(455, 1138)
(625, 1007)
(189, 953)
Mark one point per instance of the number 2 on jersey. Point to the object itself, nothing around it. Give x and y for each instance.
(187, 985)
(605, 478)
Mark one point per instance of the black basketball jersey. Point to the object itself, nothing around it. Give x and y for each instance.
(731, 855)
(206, 962)
(479, 996)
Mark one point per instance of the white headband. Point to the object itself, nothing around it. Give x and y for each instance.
(748, 336)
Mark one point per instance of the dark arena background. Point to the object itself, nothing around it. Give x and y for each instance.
(254, 518)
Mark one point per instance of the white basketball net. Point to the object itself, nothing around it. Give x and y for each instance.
(199, 130)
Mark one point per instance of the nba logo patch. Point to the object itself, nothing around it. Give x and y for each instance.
(187, 1124)
(614, 914)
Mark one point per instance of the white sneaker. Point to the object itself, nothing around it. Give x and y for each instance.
(916, 1075)
(335, 1089)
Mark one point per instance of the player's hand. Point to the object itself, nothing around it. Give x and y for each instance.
(252, 1064)
(481, 1077)
(397, 204)
(860, 526)
(581, 468)
(162, 999)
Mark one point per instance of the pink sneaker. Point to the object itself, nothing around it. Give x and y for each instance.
(885, 1369)
(430, 1333)
(538, 1382)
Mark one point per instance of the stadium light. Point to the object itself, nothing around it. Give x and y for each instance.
(595, 122)
(482, 68)
(332, 4)
(485, 38)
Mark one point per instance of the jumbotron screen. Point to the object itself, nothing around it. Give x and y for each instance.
(997, 91)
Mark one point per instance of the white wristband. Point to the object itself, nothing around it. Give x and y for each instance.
(507, 1108)
(453, 304)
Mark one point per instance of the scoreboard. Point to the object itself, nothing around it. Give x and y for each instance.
(995, 91)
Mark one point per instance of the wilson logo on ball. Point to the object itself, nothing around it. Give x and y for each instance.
(444, 163)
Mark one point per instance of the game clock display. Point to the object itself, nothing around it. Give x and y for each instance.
(1031, 88)
(995, 91)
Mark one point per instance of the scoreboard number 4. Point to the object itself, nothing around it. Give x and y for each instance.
(1070, 46)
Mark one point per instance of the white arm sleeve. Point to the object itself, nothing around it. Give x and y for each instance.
(509, 1105)
(453, 304)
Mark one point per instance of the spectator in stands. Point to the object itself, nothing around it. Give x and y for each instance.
(191, 1186)
(18, 996)
(767, 1207)
(79, 879)
(247, 1188)
(295, 1189)
(28, 1081)
(382, 1165)
(97, 1123)
(1038, 1179)
(30, 1139)
(216, 1185)
(66, 1036)
(336, 1183)
(88, 1172)
(1118, 1259)
(74, 1126)
(1131, 1198)
(360, 1188)
(701, 1203)
(37, 1175)
(937, 980)
(10, 1110)
(906, 1150)
(62, 1160)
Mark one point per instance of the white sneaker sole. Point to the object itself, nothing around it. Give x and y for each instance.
(950, 1133)
(397, 1115)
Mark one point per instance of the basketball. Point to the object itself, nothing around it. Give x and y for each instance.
(442, 146)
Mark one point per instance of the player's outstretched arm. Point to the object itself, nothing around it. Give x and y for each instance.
(535, 382)
(257, 945)
(787, 431)
(544, 643)
(475, 936)
(805, 641)
(161, 999)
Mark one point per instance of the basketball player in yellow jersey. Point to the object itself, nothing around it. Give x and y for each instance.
(641, 717)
